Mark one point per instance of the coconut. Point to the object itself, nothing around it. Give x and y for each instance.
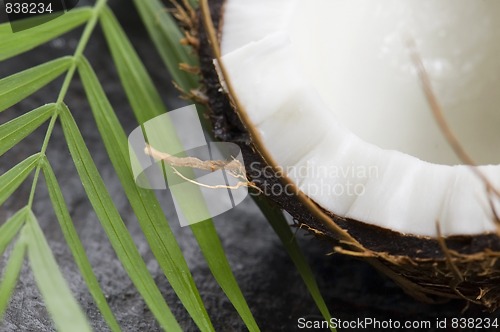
(335, 106)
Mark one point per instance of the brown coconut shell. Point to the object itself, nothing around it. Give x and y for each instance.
(429, 269)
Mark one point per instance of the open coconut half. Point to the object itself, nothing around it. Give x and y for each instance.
(327, 95)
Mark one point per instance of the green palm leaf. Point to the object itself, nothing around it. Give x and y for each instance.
(16, 43)
(12, 270)
(144, 202)
(16, 130)
(74, 243)
(11, 180)
(139, 87)
(64, 309)
(19, 86)
(280, 226)
(10, 228)
(165, 33)
(113, 224)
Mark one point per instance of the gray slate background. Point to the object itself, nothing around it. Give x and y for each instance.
(268, 279)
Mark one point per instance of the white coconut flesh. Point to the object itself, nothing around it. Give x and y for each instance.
(336, 99)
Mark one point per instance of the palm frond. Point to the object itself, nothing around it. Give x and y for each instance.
(12, 132)
(66, 312)
(14, 44)
(10, 228)
(112, 223)
(282, 229)
(166, 35)
(14, 265)
(19, 86)
(12, 179)
(144, 203)
(76, 246)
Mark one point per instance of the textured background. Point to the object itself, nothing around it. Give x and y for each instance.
(268, 279)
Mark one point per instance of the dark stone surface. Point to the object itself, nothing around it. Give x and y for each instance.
(268, 279)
